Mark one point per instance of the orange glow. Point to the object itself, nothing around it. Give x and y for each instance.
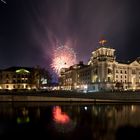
(59, 116)
(102, 42)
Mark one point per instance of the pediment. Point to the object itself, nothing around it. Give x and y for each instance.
(135, 63)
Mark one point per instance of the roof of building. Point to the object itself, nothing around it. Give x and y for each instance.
(138, 60)
(80, 65)
(130, 61)
(123, 62)
(17, 68)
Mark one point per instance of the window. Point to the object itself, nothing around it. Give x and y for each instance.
(116, 76)
(125, 72)
(93, 87)
(14, 86)
(133, 72)
(14, 76)
(7, 86)
(109, 71)
(116, 71)
(1, 76)
(109, 79)
(7, 76)
(121, 71)
(121, 76)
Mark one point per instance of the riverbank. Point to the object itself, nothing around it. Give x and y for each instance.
(67, 96)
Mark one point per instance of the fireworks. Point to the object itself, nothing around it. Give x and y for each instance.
(63, 57)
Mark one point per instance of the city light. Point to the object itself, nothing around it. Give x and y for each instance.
(22, 71)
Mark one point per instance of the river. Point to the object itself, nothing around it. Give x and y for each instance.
(69, 121)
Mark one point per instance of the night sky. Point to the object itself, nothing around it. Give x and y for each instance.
(29, 29)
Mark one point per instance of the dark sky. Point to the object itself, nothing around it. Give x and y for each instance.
(30, 28)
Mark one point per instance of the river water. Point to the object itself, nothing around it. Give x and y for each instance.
(69, 121)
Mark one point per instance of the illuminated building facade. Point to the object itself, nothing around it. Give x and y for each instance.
(19, 78)
(102, 72)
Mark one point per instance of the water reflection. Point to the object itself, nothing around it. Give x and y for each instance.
(70, 121)
(59, 116)
(22, 116)
(62, 121)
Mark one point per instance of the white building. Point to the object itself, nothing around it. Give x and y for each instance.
(103, 72)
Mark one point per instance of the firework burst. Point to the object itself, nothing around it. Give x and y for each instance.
(63, 57)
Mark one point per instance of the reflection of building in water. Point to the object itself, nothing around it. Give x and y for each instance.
(22, 116)
(103, 72)
(129, 114)
(111, 117)
(98, 121)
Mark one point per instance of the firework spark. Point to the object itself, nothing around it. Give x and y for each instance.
(63, 57)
